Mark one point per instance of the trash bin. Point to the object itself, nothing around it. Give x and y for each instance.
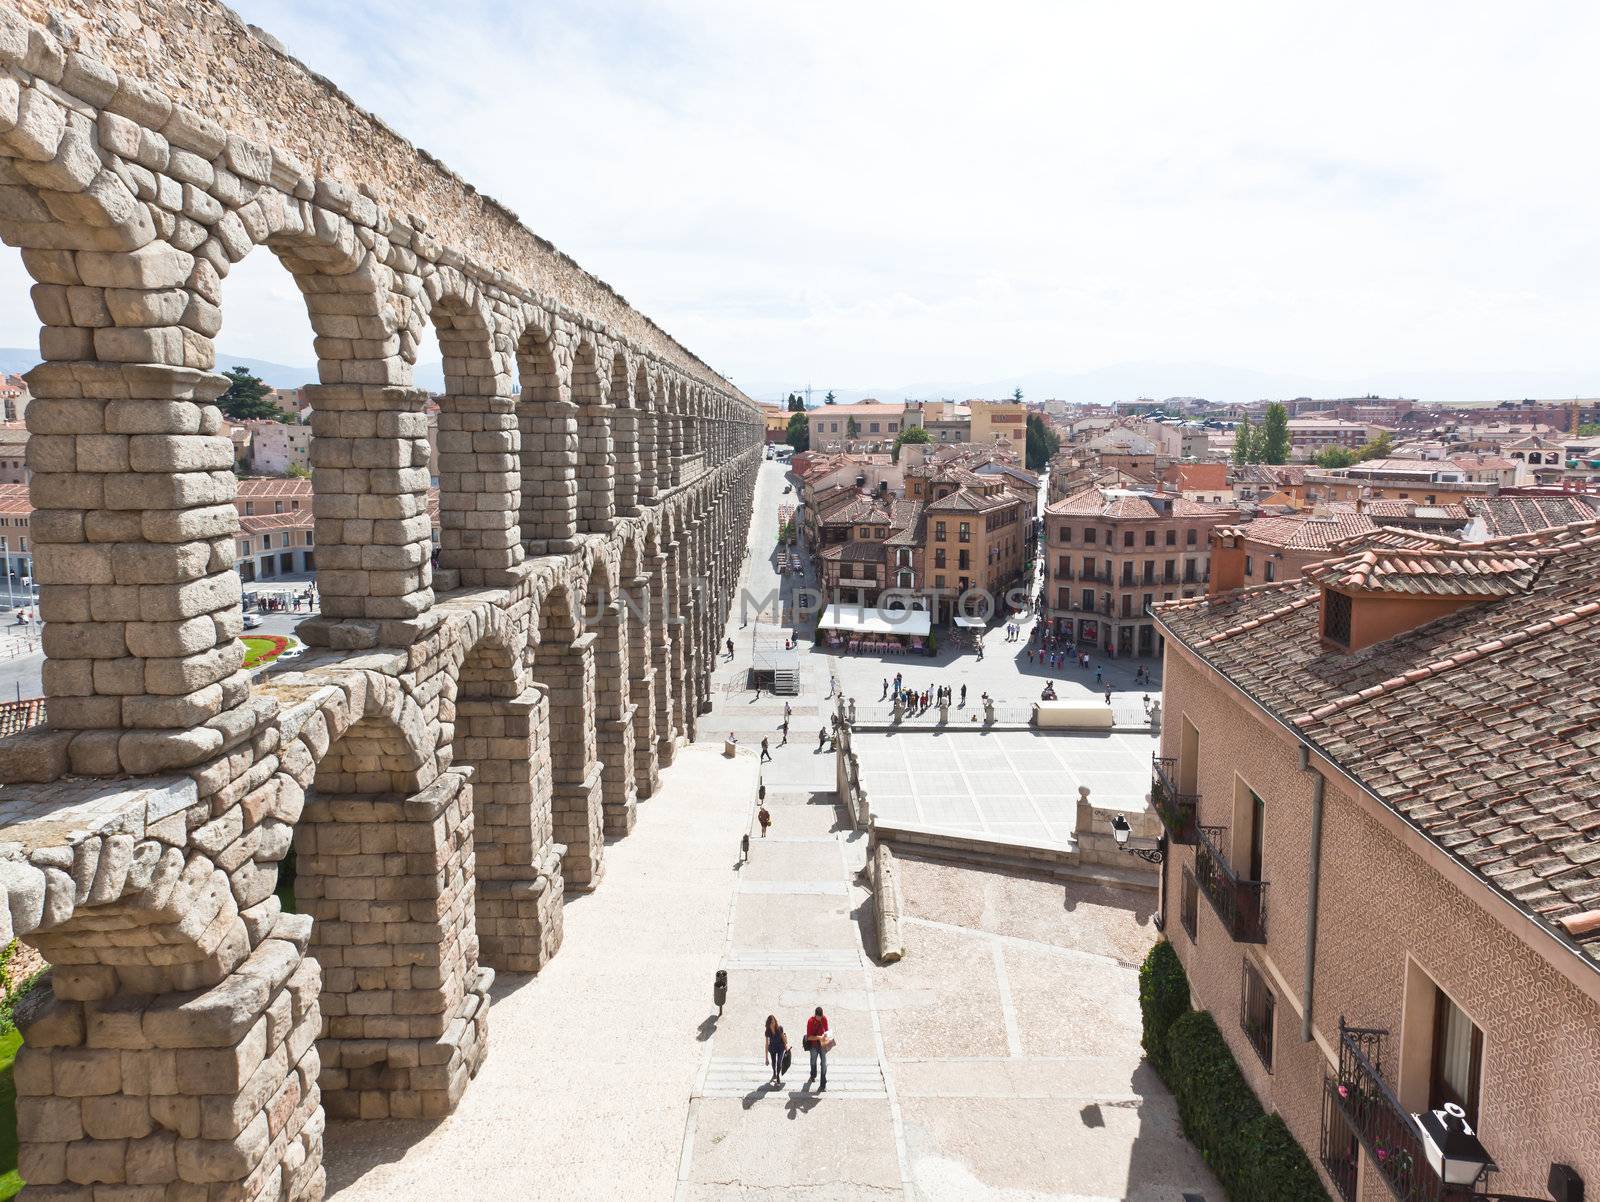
(730, 747)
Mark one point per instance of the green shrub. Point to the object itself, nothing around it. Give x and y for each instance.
(1250, 1151)
(1163, 997)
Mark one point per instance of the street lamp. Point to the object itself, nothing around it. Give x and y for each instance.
(1150, 855)
(1453, 1150)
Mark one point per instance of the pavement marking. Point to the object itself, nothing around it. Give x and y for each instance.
(836, 888)
(1008, 1009)
(742, 1076)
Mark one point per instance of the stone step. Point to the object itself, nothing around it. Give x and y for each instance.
(738, 1077)
(755, 959)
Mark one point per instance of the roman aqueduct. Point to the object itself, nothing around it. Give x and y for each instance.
(450, 758)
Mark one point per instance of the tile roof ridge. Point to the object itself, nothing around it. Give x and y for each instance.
(1298, 603)
(1460, 659)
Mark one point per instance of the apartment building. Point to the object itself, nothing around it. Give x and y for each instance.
(1381, 870)
(974, 536)
(832, 426)
(993, 420)
(275, 447)
(1308, 435)
(1110, 553)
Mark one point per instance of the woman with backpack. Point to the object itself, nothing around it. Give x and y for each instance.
(777, 1048)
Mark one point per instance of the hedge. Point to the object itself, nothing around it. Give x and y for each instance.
(1163, 998)
(1251, 1152)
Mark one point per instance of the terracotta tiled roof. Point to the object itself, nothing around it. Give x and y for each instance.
(254, 487)
(1481, 728)
(14, 499)
(854, 552)
(1434, 572)
(1518, 515)
(1303, 531)
(1134, 506)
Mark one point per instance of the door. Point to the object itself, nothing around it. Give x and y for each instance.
(1258, 819)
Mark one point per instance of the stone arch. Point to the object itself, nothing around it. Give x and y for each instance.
(561, 668)
(595, 469)
(384, 868)
(624, 434)
(606, 616)
(478, 445)
(548, 423)
(638, 603)
(647, 434)
(496, 733)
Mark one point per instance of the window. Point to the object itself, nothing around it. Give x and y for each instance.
(1272, 571)
(1088, 601)
(938, 557)
(1089, 534)
(938, 531)
(1149, 538)
(277, 507)
(1188, 895)
(1172, 538)
(938, 582)
(308, 539)
(872, 427)
(1127, 538)
(249, 509)
(1189, 537)
(1169, 570)
(964, 560)
(1064, 598)
(1257, 1006)
(1063, 565)
(1336, 617)
(965, 532)
(1457, 1057)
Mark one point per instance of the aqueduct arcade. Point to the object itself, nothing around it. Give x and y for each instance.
(449, 761)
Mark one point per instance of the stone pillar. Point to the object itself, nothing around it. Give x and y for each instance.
(642, 690)
(596, 478)
(133, 547)
(645, 422)
(549, 514)
(614, 721)
(672, 439)
(667, 659)
(625, 444)
(126, 1088)
(480, 489)
(388, 881)
(567, 673)
(518, 868)
(369, 457)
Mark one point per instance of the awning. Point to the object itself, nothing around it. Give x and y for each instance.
(868, 619)
(967, 623)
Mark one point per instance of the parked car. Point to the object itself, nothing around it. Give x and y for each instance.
(251, 621)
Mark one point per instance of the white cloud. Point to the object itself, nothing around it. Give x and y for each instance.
(888, 192)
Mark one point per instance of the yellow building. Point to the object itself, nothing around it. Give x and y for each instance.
(777, 419)
(992, 420)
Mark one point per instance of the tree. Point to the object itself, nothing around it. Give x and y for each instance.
(1375, 448)
(1042, 443)
(1017, 396)
(1244, 441)
(1334, 457)
(296, 472)
(910, 434)
(828, 400)
(797, 403)
(246, 398)
(1274, 444)
(851, 427)
(799, 436)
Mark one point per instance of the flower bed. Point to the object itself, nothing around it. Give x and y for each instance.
(263, 648)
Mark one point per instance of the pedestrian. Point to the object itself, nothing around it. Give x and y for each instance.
(744, 848)
(765, 753)
(885, 692)
(822, 738)
(776, 1045)
(963, 695)
(764, 817)
(1097, 674)
(786, 712)
(816, 1042)
(785, 729)
(1108, 694)
(1030, 653)
(730, 648)
(897, 679)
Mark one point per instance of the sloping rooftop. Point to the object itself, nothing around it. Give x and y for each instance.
(1134, 506)
(1521, 515)
(1480, 728)
(1434, 572)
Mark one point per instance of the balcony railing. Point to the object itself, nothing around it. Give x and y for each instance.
(1240, 904)
(1176, 809)
(1360, 1099)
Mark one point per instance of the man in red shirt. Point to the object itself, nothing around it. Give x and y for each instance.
(817, 1043)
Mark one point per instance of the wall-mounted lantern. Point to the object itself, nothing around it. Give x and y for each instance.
(1150, 853)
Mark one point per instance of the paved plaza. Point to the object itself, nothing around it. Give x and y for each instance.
(998, 1060)
(1004, 784)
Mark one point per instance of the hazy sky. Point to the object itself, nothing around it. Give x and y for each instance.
(880, 193)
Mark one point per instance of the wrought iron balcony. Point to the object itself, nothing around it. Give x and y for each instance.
(1240, 904)
(1177, 810)
(1360, 1103)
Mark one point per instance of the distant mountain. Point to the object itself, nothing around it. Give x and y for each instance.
(278, 375)
(1130, 381)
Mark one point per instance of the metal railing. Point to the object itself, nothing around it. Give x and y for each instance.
(1177, 810)
(1240, 904)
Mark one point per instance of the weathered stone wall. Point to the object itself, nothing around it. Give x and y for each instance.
(451, 757)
